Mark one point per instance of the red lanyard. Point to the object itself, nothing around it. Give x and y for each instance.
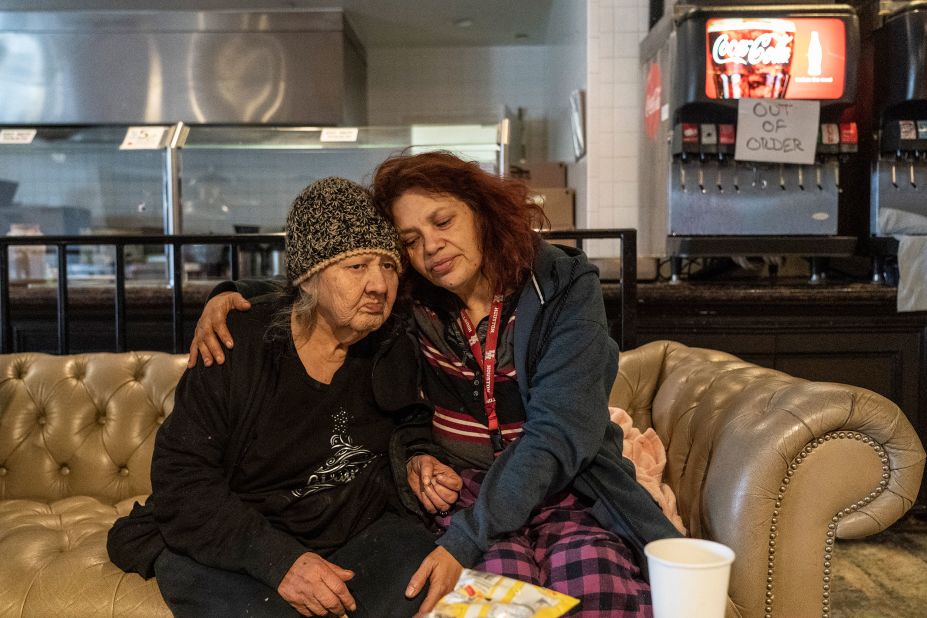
(487, 362)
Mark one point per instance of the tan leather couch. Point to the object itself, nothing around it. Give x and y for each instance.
(773, 466)
(76, 435)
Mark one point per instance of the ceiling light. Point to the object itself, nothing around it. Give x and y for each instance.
(463, 22)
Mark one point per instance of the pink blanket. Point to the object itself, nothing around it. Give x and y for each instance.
(647, 453)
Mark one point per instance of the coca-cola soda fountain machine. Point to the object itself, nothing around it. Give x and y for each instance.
(899, 170)
(699, 64)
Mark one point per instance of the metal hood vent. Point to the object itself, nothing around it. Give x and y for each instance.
(225, 67)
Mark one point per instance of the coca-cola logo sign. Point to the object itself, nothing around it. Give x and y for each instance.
(776, 57)
(767, 48)
(652, 101)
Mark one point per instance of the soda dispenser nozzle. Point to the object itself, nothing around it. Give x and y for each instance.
(895, 169)
(801, 177)
(782, 176)
(682, 172)
(689, 136)
(912, 161)
(818, 173)
(719, 178)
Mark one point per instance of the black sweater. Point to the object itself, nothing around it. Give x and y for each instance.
(259, 463)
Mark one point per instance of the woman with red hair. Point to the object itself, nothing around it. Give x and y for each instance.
(519, 463)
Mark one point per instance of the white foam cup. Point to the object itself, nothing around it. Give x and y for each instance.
(688, 577)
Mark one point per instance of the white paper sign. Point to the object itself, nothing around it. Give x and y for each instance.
(143, 138)
(777, 131)
(17, 136)
(339, 134)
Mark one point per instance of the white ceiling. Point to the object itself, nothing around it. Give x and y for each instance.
(378, 23)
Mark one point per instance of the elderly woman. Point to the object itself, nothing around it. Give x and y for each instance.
(519, 462)
(272, 486)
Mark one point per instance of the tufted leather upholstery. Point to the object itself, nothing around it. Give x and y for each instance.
(774, 466)
(76, 437)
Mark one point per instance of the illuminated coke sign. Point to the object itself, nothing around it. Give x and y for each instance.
(775, 58)
(765, 48)
(652, 101)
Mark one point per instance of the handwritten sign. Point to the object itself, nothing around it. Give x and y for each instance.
(777, 131)
(143, 138)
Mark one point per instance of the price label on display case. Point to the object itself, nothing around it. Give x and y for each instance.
(17, 136)
(339, 134)
(143, 138)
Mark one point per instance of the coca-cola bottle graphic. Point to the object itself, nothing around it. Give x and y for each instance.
(815, 54)
(750, 57)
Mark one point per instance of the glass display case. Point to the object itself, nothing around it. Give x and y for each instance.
(76, 180)
(197, 179)
(243, 179)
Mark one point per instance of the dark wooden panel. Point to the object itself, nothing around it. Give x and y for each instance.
(878, 372)
(885, 362)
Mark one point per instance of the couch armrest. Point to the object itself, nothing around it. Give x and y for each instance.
(777, 467)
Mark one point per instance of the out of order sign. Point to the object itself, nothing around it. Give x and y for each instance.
(777, 131)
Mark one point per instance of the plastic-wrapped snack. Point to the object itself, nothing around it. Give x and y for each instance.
(484, 595)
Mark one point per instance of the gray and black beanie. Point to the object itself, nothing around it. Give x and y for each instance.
(332, 219)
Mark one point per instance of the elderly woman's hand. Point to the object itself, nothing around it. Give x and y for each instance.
(436, 484)
(316, 587)
(211, 327)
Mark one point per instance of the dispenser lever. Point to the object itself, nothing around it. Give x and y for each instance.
(719, 178)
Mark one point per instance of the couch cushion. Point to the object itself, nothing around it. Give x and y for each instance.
(55, 563)
(82, 425)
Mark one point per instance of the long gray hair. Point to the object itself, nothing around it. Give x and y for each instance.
(303, 299)
(307, 299)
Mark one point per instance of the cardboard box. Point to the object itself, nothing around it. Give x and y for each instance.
(541, 173)
(558, 205)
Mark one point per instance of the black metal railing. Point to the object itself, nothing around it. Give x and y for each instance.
(174, 245)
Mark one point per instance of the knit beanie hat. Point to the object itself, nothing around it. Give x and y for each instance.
(332, 219)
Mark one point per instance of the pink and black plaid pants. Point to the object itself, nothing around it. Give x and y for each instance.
(564, 548)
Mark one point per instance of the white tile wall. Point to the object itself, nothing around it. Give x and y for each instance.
(613, 116)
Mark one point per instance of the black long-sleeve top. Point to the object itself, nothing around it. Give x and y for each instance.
(259, 463)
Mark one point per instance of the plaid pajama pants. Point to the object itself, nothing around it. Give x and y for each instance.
(564, 548)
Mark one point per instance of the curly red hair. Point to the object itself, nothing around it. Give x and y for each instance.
(506, 216)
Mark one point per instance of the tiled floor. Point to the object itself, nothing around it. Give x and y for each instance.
(883, 576)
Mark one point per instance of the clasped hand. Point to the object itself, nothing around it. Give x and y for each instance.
(435, 484)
